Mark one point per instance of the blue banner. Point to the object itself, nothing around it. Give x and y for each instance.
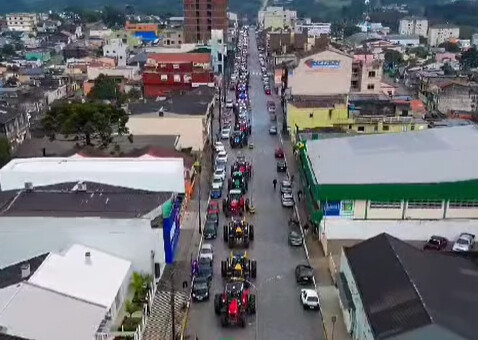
(171, 232)
(332, 208)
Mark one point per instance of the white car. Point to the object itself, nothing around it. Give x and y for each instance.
(309, 299)
(219, 146)
(220, 173)
(229, 104)
(465, 242)
(287, 200)
(225, 133)
(222, 155)
(206, 252)
(217, 183)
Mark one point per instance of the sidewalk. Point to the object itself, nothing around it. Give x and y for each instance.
(328, 293)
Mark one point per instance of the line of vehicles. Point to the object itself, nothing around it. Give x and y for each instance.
(236, 301)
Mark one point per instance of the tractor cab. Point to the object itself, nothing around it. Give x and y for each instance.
(238, 139)
(234, 204)
(238, 181)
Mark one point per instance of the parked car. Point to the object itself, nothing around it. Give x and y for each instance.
(217, 184)
(222, 156)
(295, 239)
(287, 200)
(225, 133)
(279, 153)
(210, 230)
(229, 103)
(304, 273)
(220, 173)
(281, 166)
(465, 242)
(216, 194)
(309, 299)
(273, 130)
(205, 269)
(436, 243)
(200, 290)
(207, 252)
(286, 186)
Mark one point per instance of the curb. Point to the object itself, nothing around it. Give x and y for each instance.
(296, 211)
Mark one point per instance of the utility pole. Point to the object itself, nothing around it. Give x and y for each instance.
(172, 303)
(197, 167)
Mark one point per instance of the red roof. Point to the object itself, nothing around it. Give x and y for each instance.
(181, 57)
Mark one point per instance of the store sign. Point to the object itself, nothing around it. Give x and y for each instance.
(322, 64)
(201, 65)
(347, 208)
(339, 209)
(332, 208)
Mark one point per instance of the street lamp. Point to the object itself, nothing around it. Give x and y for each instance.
(197, 167)
(333, 320)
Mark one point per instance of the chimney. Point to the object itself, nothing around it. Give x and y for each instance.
(81, 187)
(25, 270)
(87, 257)
(28, 186)
(44, 152)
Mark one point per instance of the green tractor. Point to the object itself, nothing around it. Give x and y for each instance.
(238, 181)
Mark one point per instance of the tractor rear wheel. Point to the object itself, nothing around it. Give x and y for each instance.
(217, 303)
(253, 269)
(224, 320)
(246, 242)
(242, 321)
(252, 304)
(251, 232)
(223, 268)
(231, 243)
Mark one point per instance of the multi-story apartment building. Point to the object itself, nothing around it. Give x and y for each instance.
(202, 16)
(366, 74)
(168, 72)
(22, 22)
(442, 33)
(315, 29)
(277, 18)
(413, 26)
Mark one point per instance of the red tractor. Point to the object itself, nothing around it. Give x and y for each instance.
(243, 166)
(234, 304)
(235, 204)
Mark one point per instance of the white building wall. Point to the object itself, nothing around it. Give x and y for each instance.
(461, 213)
(116, 50)
(409, 230)
(385, 213)
(360, 209)
(424, 214)
(131, 239)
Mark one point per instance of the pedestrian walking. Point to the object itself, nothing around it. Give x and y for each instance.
(292, 179)
(300, 194)
(306, 228)
(275, 182)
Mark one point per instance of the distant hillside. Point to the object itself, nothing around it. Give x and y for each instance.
(160, 7)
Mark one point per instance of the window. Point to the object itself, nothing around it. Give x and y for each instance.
(176, 66)
(164, 77)
(162, 65)
(375, 128)
(464, 204)
(385, 205)
(425, 204)
(412, 127)
(386, 128)
(370, 86)
(372, 74)
(177, 78)
(360, 128)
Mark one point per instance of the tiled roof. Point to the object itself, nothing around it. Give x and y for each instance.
(13, 274)
(403, 288)
(180, 57)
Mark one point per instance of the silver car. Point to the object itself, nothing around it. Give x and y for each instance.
(287, 200)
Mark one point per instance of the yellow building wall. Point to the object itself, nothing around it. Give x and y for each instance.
(309, 118)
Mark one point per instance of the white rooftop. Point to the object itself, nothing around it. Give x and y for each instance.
(40, 314)
(428, 156)
(158, 174)
(96, 282)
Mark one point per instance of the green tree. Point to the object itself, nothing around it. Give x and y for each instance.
(134, 94)
(8, 49)
(350, 30)
(450, 47)
(105, 88)
(419, 51)
(113, 17)
(393, 57)
(131, 308)
(5, 151)
(469, 58)
(448, 70)
(86, 121)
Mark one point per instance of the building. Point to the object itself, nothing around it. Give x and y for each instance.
(413, 26)
(42, 55)
(81, 288)
(14, 125)
(446, 95)
(399, 183)
(404, 40)
(186, 115)
(123, 36)
(441, 33)
(172, 37)
(139, 225)
(218, 51)
(373, 27)
(282, 43)
(327, 72)
(315, 29)
(421, 294)
(120, 72)
(367, 72)
(117, 50)
(167, 72)
(202, 16)
(474, 40)
(277, 18)
(142, 27)
(22, 22)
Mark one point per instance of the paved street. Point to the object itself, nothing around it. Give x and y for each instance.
(279, 312)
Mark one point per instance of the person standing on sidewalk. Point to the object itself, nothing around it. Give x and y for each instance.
(300, 194)
(275, 182)
(292, 178)
(306, 228)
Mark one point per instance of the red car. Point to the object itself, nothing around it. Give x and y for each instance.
(213, 208)
(279, 153)
(267, 91)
